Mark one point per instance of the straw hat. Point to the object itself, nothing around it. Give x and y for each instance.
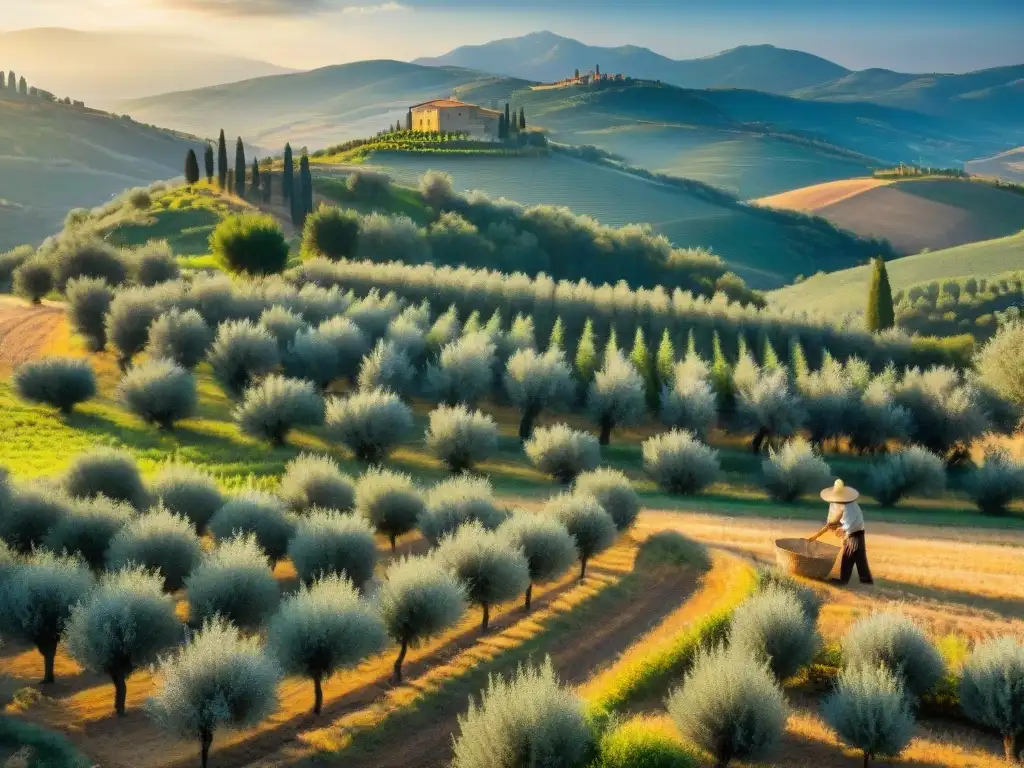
(840, 493)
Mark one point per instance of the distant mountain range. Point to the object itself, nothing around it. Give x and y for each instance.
(103, 67)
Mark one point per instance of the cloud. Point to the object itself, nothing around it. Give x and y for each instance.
(285, 7)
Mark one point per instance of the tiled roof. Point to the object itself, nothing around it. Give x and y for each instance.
(441, 103)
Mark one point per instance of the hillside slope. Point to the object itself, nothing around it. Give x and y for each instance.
(1005, 165)
(318, 108)
(56, 158)
(913, 214)
(848, 289)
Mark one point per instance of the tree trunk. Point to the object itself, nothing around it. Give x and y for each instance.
(318, 694)
(758, 442)
(526, 423)
(48, 656)
(486, 617)
(606, 430)
(392, 539)
(1010, 748)
(399, 660)
(120, 693)
(583, 568)
(205, 740)
(529, 597)
(867, 760)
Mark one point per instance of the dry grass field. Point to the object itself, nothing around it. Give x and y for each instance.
(812, 199)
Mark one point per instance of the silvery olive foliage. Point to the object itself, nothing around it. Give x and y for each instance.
(311, 480)
(88, 301)
(911, 472)
(535, 382)
(258, 513)
(794, 470)
(29, 512)
(388, 367)
(992, 690)
(88, 529)
(275, 406)
(464, 371)
(773, 627)
(185, 490)
(391, 501)
(997, 482)
(235, 582)
(592, 529)
(159, 392)
(613, 491)
(461, 438)
(59, 382)
(549, 548)
(688, 401)
(106, 472)
(241, 354)
(869, 712)
(617, 396)
(895, 642)
(679, 463)
(456, 502)
(328, 543)
(370, 424)
(181, 336)
(160, 541)
(563, 452)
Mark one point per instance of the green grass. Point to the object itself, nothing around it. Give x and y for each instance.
(848, 289)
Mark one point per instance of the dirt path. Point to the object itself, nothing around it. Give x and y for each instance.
(25, 331)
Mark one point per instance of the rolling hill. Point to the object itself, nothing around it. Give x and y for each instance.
(57, 157)
(915, 214)
(1005, 165)
(847, 290)
(549, 57)
(104, 67)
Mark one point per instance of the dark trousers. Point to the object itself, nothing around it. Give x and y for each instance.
(855, 552)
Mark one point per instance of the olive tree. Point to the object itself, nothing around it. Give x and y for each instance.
(370, 424)
(680, 463)
(455, 502)
(88, 301)
(613, 492)
(33, 279)
(60, 382)
(387, 367)
(283, 324)
(159, 540)
(490, 570)
(534, 382)
(773, 627)
(464, 372)
(1001, 362)
(768, 408)
(893, 641)
(997, 482)
(122, 626)
(349, 341)
(563, 452)
(220, 679)
(323, 629)
(992, 690)
(878, 419)
(180, 336)
(106, 472)
(313, 357)
(159, 392)
(869, 712)
(549, 548)
(730, 705)
(592, 529)
(914, 471)
(461, 438)
(311, 481)
(947, 412)
(28, 513)
(257, 513)
(328, 543)
(235, 582)
(794, 471)
(242, 353)
(88, 529)
(36, 600)
(154, 263)
(184, 490)
(688, 400)
(275, 406)
(132, 312)
(418, 600)
(390, 501)
(531, 714)
(617, 396)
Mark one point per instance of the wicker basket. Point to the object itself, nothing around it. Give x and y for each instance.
(811, 559)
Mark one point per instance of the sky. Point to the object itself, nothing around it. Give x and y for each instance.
(906, 35)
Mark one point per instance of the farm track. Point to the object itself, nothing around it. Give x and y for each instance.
(25, 331)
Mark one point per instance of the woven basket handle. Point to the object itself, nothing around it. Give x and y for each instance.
(819, 534)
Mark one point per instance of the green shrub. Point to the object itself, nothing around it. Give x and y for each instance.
(181, 336)
(455, 502)
(461, 438)
(235, 583)
(36, 601)
(316, 481)
(730, 705)
(418, 600)
(10, 261)
(614, 492)
(324, 629)
(368, 185)
(220, 679)
(387, 367)
(794, 471)
(642, 743)
(106, 472)
(331, 233)
(992, 690)
(89, 529)
(913, 471)
(563, 452)
(617, 396)
(349, 342)
(330, 543)
(132, 312)
(186, 491)
(33, 279)
(773, 627)
(464, 372)
(88, 301)
(535, 382)
(549, 548)
(313, 357)
(277, 405)
(390, 501)
(87, 257)
(384, 239)
(679, 463)
(60, 382)
(592, 529)
(490, 570)
(283, 324)
(773, 578)
(250, 243)
(159, 392)
(242, 353)
(257, 513)
(997, 483)
(870, 713)
(893, 641)
(1001, 362)
(154, 263)
(29, 513)
(158, 540)
(123, 626)
(527, 717)
(370, 424)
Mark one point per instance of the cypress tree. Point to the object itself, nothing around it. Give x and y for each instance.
(240, 167)
(522, 118)
(557, 335)
(691, 344)
(721, 377)
(742, 348)
(666, 359)
(472, 324)
(288, 174)
(12, 82)
(769, 359)
(191, 168)
(23, 87)
(209, 162)
(880, 315)
(798, 359)
(586, 355)
(222, 162)
(303, 205)
(508, 119)
(642, 360)
(494, 325)
(611, 347)
(501, 127)
(255, 188)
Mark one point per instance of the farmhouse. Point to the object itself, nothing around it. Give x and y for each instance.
(452, 116)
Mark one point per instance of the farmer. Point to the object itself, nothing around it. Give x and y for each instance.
(844, 513)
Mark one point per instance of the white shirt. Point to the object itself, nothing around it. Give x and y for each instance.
(849, 516)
